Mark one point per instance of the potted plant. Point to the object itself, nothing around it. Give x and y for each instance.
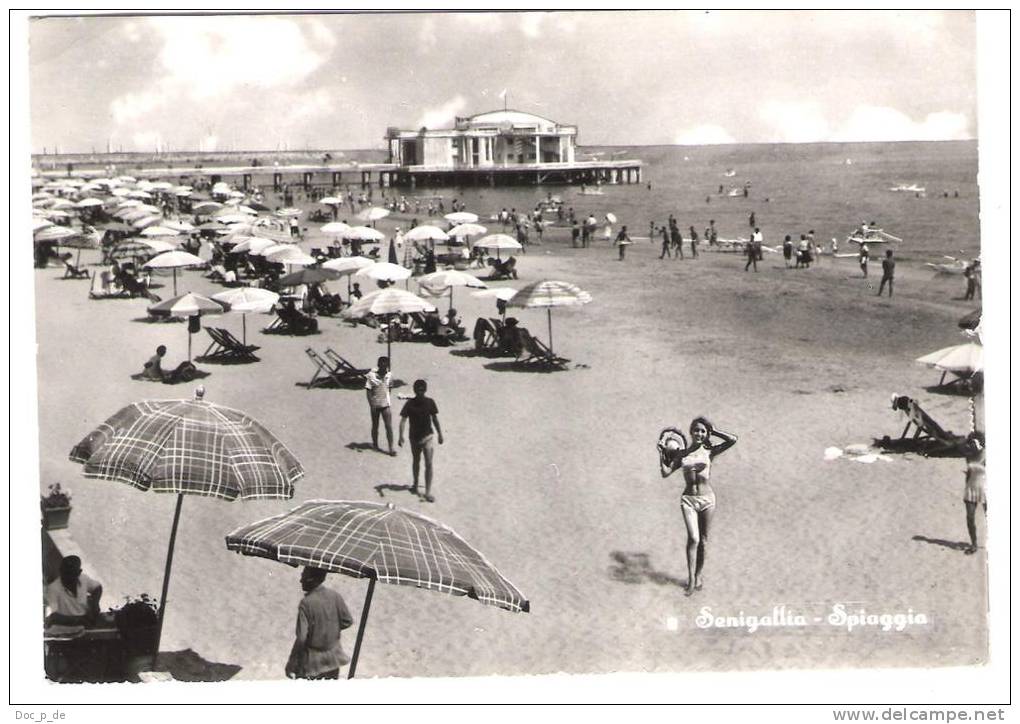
(56, 507)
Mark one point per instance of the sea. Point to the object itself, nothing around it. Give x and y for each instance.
(829, 188)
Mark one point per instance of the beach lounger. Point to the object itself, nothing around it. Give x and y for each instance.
(486, 335)
(292, 322)
(538, 354)
(103, 288)
(926, 429)
(226, 347)
(333, 369)
(73, 272)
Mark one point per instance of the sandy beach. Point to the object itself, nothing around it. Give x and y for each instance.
(553, 476)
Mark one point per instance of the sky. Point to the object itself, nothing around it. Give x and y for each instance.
(265, 82)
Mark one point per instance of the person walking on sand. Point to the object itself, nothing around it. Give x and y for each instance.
(694, 243)
(425, 432)
(974, 486)
(888, 270)
(677, 240)
(752, 256)
(322, 615)
(972, 273)
(698, 500)
(665, 243)
(622, 241)
(788, 251)
(377, 389)
(862, 259)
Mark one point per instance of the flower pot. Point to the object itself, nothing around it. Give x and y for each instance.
(56, 518)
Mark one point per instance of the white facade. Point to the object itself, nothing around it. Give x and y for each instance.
(494, 139)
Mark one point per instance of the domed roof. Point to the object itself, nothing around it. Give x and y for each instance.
(510, 117)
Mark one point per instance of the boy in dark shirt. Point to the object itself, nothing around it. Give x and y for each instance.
(888, 269)
(425, 431)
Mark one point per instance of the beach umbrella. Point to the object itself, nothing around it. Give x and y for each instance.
(266, 249)
(174, 260)
(247, 299)
(379, 542)
(39, 223)
(963, 360)
(331, 201)
(206, 208)
(364, 233)
(178, 225)
(117, 226)
(139, 194)
(462, 217)
(89, 202)
(426, 233)
(159, 230)
(289, 212)
(550, 294)
(138, 247)
(503, 293)
(251, 244)
(386, 303)
(62, 204)
(287, 254)
(468, 229)
(57, 214)
(54, 233)
(82, 241)
(232, 218)
(145, 221)
(347, 266)
(308, 275)
(611, 218)
(498, 242)
(41, 196)
(188, 447)
(373, 214)
(437, 282)
(127, 179)
(384, 271)
(335, 228)
(186, 305)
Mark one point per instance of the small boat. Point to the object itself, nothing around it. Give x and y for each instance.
(956, 267)
(591, 191)
(912, 188)
(730, 173)
(736, 192)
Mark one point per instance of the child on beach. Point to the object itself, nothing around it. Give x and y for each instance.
(974, 486)
(698, 500)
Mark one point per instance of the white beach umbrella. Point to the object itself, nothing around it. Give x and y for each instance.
(961, 359)
(289, 212)
(145, 221)
(331, 201)
(160, 185)
(251, 244)
(468, 229)
(373, 213)
(364, 233)
(243, 300)
(62, 204)
(498, 241)
(54, 233)
(348, 265)
(288, 254)
(335, 228)
(206, 208)
(178, 225)
(385, 303)
(173, 260)
(438, 282)
(159, 230)
(139, 194)
(40, 223)
(426, 233)
(384, 271)
(89, 202)
(504, 293)
(121, 191)
(462, 217)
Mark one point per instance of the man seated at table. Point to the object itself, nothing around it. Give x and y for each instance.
(72, 599)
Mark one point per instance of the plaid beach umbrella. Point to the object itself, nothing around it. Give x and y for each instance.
(188, 447)
(381, 543)
(550, 294)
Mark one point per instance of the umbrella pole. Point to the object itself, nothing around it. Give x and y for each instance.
(244, 328)
(361, 629)
(548, 311)
(166, 576)
(389, 338)
(175, 281)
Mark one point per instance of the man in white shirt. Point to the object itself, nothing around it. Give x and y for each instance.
(377, 390)
(73, 598)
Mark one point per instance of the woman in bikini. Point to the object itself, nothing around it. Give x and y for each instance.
(698, 500)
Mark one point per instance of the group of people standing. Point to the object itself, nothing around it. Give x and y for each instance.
(673, 239)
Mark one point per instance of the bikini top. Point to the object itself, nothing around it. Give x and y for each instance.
(700, 458)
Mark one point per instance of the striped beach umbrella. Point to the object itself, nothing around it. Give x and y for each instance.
(188, 447)
(550, 294)
(186, 305)
(381, 543)
(386, 303)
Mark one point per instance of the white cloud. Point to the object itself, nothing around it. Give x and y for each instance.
(881, 123)
(795, 121)
(211, 59)
(703, 135)
(531, 24)
(443, 116)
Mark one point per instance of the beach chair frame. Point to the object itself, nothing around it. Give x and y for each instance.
(331, 368)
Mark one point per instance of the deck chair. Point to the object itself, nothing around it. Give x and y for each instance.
(102, 287)
(226, 347)
(926, 429)
(292, 322)
(485, 335)
(505, 269)
(135, 288)
(538, 354)
(335, 370)
(73, 272)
